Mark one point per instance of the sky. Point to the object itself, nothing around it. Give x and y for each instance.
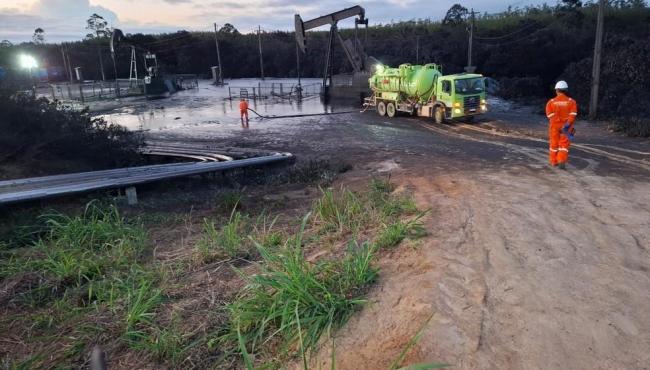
(65, 20)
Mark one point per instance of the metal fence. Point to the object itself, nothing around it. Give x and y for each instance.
(184, 81)
(96, 90)
(265, 90)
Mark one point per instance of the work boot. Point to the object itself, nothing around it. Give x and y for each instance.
(562, 166)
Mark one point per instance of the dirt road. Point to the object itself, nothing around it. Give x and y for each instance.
(525, 267)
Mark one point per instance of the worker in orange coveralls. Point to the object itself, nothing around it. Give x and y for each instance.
(561, 112)
(243, 111)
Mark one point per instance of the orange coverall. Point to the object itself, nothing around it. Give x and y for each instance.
(243, 109)
(560, 110)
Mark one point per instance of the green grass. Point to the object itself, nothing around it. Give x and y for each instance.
(393, 234)
(229, 241)
(76, 252)
(229, 200)
(89, 278)
(293, 301)
(86, 265)
(340, 211)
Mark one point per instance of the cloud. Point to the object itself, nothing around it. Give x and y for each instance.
(61, 20)
(66, 19)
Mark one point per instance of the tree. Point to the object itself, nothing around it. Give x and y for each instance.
(456, 15)
(39, 36)
(571, 4)
(228, 28)
(98, 25)
(6, 44)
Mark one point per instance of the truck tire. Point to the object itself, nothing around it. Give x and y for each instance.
(381, 108)
(390, 110)
(439, 115)
(469, 119)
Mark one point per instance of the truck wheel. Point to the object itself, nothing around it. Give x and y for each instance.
(469, 119)
(381, 108)
(390, 110)
(439, 115)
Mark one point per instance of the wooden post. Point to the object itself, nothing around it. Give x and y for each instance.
(595, 73)
(81, 92)
(229, 93)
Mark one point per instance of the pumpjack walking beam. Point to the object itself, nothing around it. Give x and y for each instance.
(353, 52)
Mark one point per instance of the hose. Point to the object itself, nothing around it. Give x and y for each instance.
(302, 115)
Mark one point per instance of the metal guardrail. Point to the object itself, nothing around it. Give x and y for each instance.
(13, 191)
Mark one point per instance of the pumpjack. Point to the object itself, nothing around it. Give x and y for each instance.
(354, 49)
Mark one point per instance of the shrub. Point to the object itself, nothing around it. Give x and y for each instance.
(37, 129)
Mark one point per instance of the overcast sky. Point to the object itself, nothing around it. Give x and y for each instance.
(65, 20)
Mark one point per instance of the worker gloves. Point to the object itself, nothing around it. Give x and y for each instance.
(569, 131)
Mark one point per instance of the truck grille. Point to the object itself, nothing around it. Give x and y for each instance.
(471, 104)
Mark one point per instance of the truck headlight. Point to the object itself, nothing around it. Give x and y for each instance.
(457, 111)
(483, 107)
(483, 101)
(456, 105)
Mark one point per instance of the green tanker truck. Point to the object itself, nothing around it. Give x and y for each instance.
(425, 91)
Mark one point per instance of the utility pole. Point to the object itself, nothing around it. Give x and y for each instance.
(417, 49)
(101, 62)
(470, 68)
(67, 57)
(259, 42)
(65, 62)
(298, 62)
(216, 42)
(595, 74)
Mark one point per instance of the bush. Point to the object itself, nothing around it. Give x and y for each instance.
(519, 87)
(36, 130)
(633, 126)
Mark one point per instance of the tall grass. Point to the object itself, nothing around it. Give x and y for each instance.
(393, 234)
(341, 211)
(291, 300)
(229, 241)
(92, 263)
(78, 251)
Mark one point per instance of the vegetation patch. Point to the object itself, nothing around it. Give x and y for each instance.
(46, 137)
(633, 126)
(280, 288)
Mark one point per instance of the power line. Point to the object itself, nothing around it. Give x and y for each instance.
(531, 35)
(531, 25)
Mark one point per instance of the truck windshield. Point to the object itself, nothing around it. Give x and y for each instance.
(469, 86)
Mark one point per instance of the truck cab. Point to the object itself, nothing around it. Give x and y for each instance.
(463, 95)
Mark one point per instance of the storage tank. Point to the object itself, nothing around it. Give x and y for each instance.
(415, 81)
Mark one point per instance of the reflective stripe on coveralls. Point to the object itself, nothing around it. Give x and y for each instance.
(560, 110)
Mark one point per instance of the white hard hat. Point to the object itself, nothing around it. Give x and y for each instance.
(561, 85)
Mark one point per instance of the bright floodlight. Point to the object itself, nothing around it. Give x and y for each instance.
(27, 61)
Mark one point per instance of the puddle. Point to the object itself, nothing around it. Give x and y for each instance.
(210, 105)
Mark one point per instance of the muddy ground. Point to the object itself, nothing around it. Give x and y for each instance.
(525, 266)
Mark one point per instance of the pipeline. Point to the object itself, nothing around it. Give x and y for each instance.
(302, 115)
